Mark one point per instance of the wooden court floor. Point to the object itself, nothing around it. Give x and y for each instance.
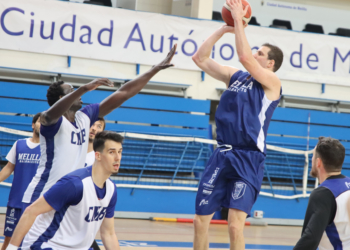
(146, 235)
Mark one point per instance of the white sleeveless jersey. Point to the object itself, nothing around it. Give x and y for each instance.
(63, 150)
(337, 234)
(72, 227)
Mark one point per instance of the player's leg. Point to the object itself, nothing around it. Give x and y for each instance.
(6, 243)
(201, 230)
(236, 222)
(211, 193)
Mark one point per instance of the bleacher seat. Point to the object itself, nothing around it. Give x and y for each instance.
(341, 32)
(313, 28)
(100, 2)
(281, 24)
(253, 21)
(217, 16)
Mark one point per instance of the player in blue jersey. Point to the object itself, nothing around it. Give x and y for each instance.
(23, 161)
(71, 212)
(327, 219)
(65, 128)
(234, 173)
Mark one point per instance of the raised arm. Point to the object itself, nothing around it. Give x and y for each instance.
(208, 65)
(40, 206)
(108, 236)
(133, 87)
(266, 77)
(52, 115)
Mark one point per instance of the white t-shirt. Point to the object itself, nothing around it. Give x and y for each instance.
(90, 159)
(11, 156)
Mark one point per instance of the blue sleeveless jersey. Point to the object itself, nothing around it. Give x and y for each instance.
(337, 234)
(244, 113)
(27, 161)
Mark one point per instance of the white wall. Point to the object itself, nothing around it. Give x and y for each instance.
(126, 4)
(337, 13)
(156, 6)
(181, 8)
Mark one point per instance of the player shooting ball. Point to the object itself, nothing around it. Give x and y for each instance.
(235, 171)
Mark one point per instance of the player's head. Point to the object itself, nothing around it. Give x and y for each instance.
(59, 89)
(328, 154)
(269, 56)
(97, 127)
(108, 150)
(36, 124)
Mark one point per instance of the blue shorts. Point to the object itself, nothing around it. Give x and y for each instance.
(231, 179)
(12, 217)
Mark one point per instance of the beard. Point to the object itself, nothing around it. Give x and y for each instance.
(91, 140)
(37, 132)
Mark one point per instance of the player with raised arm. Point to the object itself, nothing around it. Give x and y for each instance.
(23, 161)
(71, 212)
(234, 173)
(65, 128)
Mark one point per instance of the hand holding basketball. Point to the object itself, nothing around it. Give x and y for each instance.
(236, 10)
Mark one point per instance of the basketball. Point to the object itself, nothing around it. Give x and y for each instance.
(226, 14)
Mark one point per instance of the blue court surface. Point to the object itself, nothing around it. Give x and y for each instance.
(124, 243)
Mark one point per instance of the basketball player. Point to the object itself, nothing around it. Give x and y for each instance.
(98, 127)
(23, 160)
(327, 218)
(65, 127)
(234, 173)
(71, 212)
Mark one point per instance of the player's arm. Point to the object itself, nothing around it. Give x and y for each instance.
(266, 77)
(6, 171)
(40, 206)
(53, 114)
(108, 236)
(133, 87)
(208, 65)
(320, 212)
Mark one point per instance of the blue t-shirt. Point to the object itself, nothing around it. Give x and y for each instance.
(27, 161)
(68, 191)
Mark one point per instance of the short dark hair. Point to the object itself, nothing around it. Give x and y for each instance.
(102, 120)
(54, 92)
(275, 54)
(36, 117)
(102, 137)
(331, 152)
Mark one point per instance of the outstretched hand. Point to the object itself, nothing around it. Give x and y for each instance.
(98, 82)
(237, 10)
(166, 62)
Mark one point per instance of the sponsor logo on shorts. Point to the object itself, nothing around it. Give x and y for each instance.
(347, 184)
(203, 202)
(12, 213)
(10, 222)
(207, 192)
(8, 229)
(214, 176)
(239, 190)
(208, 185)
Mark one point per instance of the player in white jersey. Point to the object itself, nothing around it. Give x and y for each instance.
(97, 127)
(327, 219)
(64, 131)
(71, 212)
